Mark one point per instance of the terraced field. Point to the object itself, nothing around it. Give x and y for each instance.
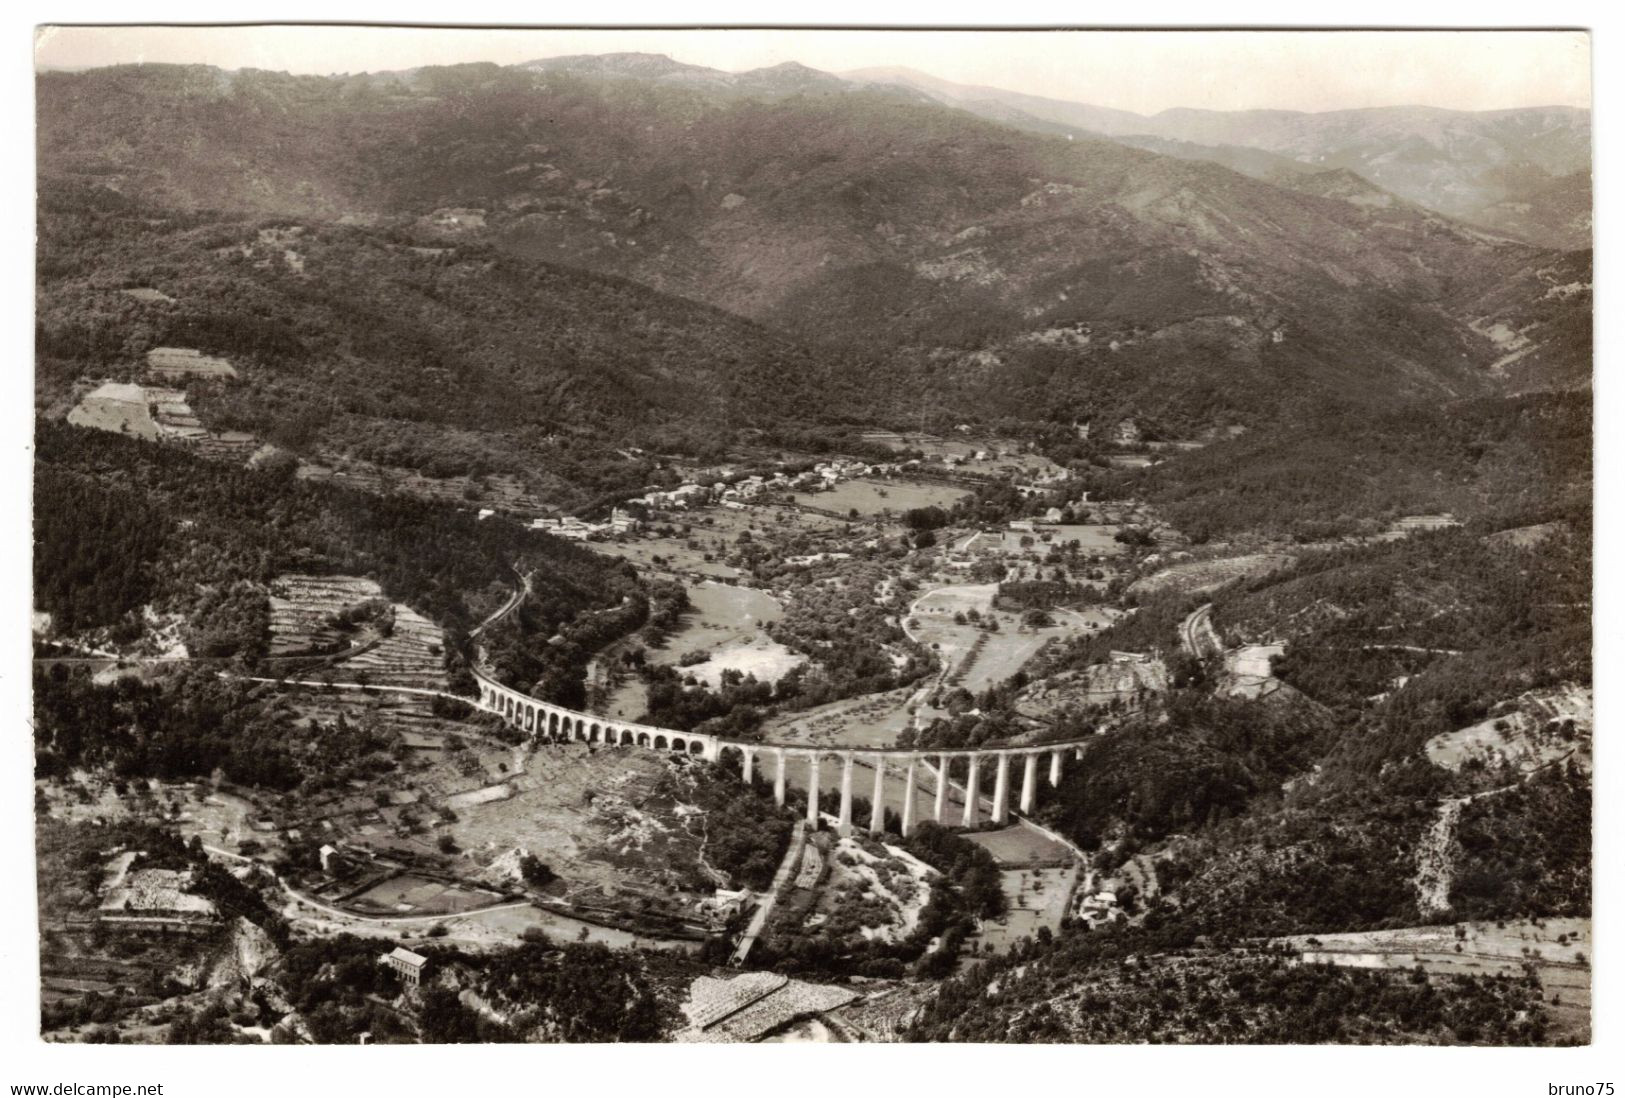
(1529, 734)
(1100, 684)
(303, 607)
(1557, 950)
(160, 414)
(751, 1006)
(410, 656)
(410, 715)
(1201, 576)
(177, 363)
(325, 615)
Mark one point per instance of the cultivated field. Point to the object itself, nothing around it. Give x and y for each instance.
(1037, 897)
(304, 609)
(1038, 877)
(408, 715)
(157, 414)
(1100, 684)
(392, 644)
(974, 658)
(604, 820)
(411, 894)
(411, 655)
(179, 363)
(711, 532)
(874, 720)
(726, 622)
(147, 295)
(1200, 576)
(873, 890)
(1247, 670)
(1092, 540)
(1525, 537)
(720, 615)
(1021, 846)
(757, 1007)
(118, 407)
(1529, 735)
(874, 497)
(1558, 950)
(1003, 455)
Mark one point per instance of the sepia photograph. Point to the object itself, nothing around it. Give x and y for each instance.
(1039, 536)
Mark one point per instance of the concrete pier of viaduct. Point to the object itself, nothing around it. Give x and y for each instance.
(543, 719)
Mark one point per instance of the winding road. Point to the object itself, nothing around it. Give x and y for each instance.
(1196, 633)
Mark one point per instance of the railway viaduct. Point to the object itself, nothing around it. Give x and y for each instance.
(542, 719)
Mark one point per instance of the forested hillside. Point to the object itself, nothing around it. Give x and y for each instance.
(994, 271)
(212, 536)
(1504, 462)
(377, 343)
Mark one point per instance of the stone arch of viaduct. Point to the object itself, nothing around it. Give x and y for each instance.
(540, 719)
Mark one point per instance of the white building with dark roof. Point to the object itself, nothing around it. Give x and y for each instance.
(407, 965)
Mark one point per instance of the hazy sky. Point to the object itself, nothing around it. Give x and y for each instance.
(1144, 71)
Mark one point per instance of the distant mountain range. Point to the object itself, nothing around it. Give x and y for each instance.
(1475, 165)
(934, 257)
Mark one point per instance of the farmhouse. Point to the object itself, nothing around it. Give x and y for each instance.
(726, 902)
(1118, 656)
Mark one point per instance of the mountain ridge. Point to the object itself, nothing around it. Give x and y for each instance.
(959, 249)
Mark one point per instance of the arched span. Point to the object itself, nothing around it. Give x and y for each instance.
(560, 724)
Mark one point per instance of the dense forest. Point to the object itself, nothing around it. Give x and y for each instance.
(1120, 987)
(566, 992)
(396, 348)
(190, 723)
(1502, 461)
(216, 535)
(208, 538)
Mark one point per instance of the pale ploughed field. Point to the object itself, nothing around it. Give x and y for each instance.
(874, 497)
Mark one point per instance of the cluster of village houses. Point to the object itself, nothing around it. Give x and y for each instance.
(733, 494)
